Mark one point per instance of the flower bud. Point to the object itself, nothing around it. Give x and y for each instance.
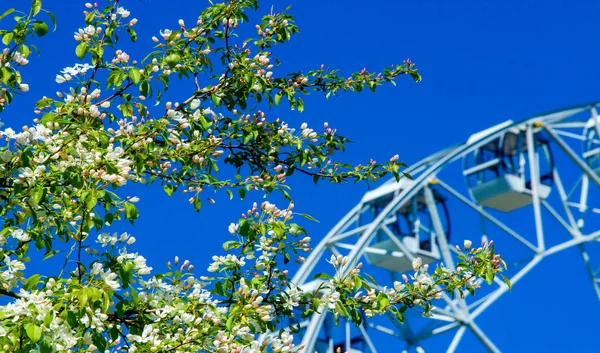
(467, 244)
(416, 264)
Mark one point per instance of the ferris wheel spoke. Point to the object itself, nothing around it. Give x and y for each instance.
(573, 231)
(583, 199)
(487, 215)
(568, 134)
(535, 185)
(563, 197)
(367, 338)
(565, 147)
(483, 338)
(571, 243)
(348, 234)
(590, 270)
(332, 248)
(456, 340)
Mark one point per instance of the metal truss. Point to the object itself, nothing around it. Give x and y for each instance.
(568, 218)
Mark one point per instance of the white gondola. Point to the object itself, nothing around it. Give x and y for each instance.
(591, 147)
(497, 173)
(408, 233)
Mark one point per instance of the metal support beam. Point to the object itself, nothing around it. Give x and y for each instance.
(563, 197)
(456, 340)
(589, 269)
(483, 338)
(365, 335)
(535, 184)
(581, 164)
(442, 241)
(485, 214)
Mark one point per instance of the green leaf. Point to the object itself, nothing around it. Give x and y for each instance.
(300, 105)
(40, 27)
(89, 17)
(277, 98)
(34, 332)
(231, 244)
(169, 189)
(230, 322)
(309, 217)
(7, 38)
(50, 254)
(71, 319)
(197, 204)
(489, 277)
(145, 89)
(415, 75)
(45, 347)
(126, 109)
(32, 282)
(36, 6)
(53, 19)
(36, 194)
(126, 272)
(216, 100)
(99, 341)
(73, 177)
(6, 13)
(219, 289)
(321, 276)
(48, 318)
(90, 201)
(507, 281)
(131, 212)
(135, 75)
(134, 295)
(242, 192)
(173, 59)
(471, 290)
(244, 227)
(81, 50)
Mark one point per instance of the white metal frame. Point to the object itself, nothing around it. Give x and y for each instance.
(458, 314)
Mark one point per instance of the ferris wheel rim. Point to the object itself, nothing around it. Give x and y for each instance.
(427, 169)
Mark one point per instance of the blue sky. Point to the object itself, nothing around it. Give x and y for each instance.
(482, 62)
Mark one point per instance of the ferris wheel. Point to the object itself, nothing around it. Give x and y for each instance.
(533, 186)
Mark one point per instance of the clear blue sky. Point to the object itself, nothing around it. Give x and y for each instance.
(482, 62)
